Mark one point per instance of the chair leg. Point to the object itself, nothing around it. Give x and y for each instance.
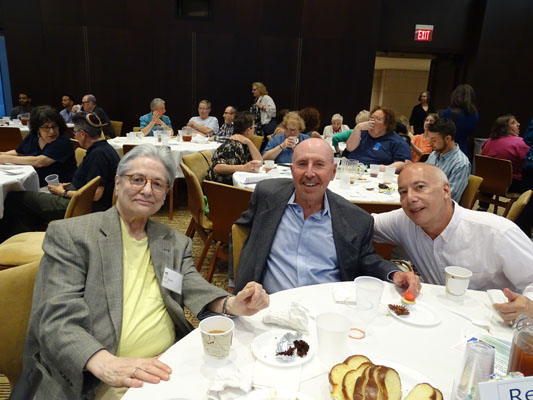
(171, 203)
(190, 229)
(211, 269)
(207, 244)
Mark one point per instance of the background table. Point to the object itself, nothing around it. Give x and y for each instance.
(431, 351)
(16, 178)
(178, 149)
(356, 193)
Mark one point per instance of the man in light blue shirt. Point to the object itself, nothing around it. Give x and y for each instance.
(448, 156)
(68, 102)
(204, 124)
(303, 234)
(155, 118)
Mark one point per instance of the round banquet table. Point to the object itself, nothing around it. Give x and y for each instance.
(177, 148)
(15, 178)
(431, 351)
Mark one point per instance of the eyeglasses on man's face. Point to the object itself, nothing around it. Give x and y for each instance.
(139, 182)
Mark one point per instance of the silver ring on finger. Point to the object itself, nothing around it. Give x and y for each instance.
(134, 372)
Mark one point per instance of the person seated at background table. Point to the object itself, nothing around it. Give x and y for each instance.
(67, 101)
(29, 211)
(24, 107)
(336, 126)
(504, 142)
(302, 234)
(437, 232)
(238, 153)
(227, 128)
(280, 128)
(88, 104)
(154, 118)
(448, 156)
(421, 144)
(362, 116)
(46, 147)
(281, 147)
(311, 117)
(401, 129)
(103, 308)
(375, 142)
(204, 124)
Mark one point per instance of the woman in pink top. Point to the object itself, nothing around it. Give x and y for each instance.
(420, 144)
(505, 143)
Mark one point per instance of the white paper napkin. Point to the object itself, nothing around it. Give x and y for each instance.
(254, 178)
(294, 316)
(281, 378)
(230, 383)
(199, 139)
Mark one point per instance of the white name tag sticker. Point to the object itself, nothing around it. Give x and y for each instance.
(172, 280)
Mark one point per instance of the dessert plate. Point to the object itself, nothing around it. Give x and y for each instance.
(420, 314)
(264, 349)
(275, 394)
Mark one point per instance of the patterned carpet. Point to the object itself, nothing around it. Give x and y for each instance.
(180, 223)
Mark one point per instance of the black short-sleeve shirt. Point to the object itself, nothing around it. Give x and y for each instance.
(101, 160)
(60, 150)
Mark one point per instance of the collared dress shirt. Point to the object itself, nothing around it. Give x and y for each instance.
(67, 115)
(303, 251)
(497, 252)
(456, 167)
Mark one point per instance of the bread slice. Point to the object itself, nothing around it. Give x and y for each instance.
(390, 385)
(348, 383)
(424, 391)
(372, 388)
(336, 375)
(361, 383)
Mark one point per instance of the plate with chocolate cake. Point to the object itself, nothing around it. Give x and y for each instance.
(283, 348)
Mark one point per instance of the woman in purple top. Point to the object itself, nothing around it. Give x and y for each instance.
(46, 147)
(505, 142)
(463, 112)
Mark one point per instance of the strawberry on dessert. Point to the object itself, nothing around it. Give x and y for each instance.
(408, 298)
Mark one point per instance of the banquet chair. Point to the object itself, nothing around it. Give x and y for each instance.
(125, 149)
(257, 141)
(195, 202)
(117, 127)
(136, 129)
(82, 201)
(519, 205)
(226, 204)
(79, 153)
(199, 163)
(497, 177)
(21, 249)
(10, 138)
(16, 294)
(469, 195)
(239, 234)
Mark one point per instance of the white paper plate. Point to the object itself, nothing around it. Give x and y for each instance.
(264, 349)
(420, 314)
(275, 394)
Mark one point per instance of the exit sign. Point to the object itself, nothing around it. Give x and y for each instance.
(423, 33)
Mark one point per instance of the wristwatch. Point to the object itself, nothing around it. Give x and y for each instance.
(65, 195)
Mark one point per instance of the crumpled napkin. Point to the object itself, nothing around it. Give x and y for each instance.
(229, 383)
(199, 139)
(295, 316)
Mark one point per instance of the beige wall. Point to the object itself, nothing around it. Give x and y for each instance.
(398, 89)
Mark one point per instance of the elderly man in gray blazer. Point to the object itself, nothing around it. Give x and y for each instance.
(107, 277)
(302, 234)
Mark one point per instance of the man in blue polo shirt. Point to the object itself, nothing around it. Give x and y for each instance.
(375, 142)
(29, 211)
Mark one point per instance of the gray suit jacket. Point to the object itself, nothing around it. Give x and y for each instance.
(78, 297)
(352, 233)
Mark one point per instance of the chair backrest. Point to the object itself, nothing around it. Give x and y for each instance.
(257, 141)
(79, 153)
(117, 127)
(16, 294)
(127, 147)
(21, 249)
(226, 204)
(378, 208)
(82, 201)
(195, 197)
(199, 163)
(469, 195)
(424, 157)
(519, 205)
(497, 174)
(239, 234)
(10, 138)
(136, 128)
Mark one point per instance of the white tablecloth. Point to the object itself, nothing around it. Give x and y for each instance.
(430, 351)
(16, 178)
(178, 149)
(357, 192)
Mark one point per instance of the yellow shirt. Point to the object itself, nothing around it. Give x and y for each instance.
(147, 329)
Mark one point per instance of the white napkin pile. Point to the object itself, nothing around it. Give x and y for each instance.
(229, 383)
(199, 139)
(295, 316)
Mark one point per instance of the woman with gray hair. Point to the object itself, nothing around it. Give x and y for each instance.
(155, 118)
(336, 126)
